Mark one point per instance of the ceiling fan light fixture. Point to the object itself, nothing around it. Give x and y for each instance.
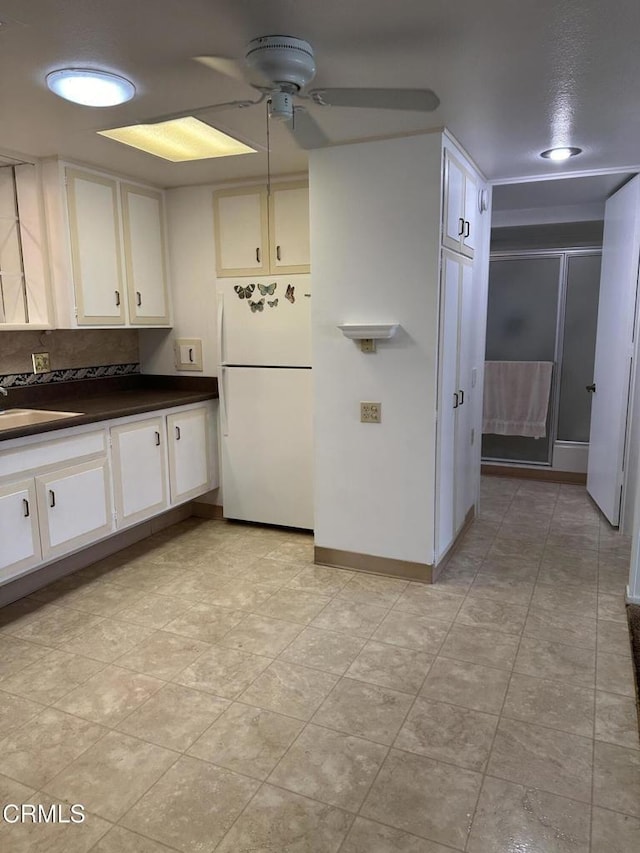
(90, 87)
(281, 106)
(560, 154)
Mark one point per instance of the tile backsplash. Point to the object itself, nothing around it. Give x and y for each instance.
(72, 348)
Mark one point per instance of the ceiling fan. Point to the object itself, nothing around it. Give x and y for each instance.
(281, 68)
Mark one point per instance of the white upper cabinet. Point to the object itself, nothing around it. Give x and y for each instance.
(289, 222)
(460, 207)
(94, 232)
(242, 234)
(107, 250)
(144, 252)
(257, 234)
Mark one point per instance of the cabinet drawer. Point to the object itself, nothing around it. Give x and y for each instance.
(55, 451)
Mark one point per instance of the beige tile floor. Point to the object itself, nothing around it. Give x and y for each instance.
(211, 689)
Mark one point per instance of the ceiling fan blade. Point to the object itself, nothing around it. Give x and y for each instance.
(236, 70)
(305, 130)
(381, 99)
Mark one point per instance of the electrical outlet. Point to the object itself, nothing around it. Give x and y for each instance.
(370, 413)
(41, 363)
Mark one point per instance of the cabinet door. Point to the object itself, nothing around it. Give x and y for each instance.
(453, 211)
(241, 231)
(139, 466)
(74, 507)
(448, 403)
(95, 248)
(144, 252)
(189, 463)
(18, 529)
(289, 222)
(464, 491)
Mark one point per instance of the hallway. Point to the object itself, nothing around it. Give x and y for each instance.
(211, 689)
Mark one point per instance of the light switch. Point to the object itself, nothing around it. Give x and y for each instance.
(188, 352)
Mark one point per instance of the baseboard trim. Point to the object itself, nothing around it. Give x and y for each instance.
(210, 511)
(70, 563)
(550, 475)
(373, 565)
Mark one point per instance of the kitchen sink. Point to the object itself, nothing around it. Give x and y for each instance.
(12, 418)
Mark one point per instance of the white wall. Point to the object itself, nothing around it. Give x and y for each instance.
(192, 273)
(375, 214)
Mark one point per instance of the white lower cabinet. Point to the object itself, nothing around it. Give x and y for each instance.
(66, 497)
(74, 507)
(139, 470)
(18, 528)
(189, 462)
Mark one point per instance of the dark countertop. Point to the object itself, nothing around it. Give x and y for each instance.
(105, 399)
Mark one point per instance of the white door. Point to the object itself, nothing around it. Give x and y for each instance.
(188, 436)
(464, 412)
(265, 321)
(448, 402)
(74, 507)
(139, 470)
(95, 248)
(144, 252)
(18, 529)
(267, 445)
(454, 221)
(614, 344)
(289, 223)
(240, 219)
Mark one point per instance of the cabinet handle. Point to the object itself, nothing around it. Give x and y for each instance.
(177, 433)
(278, 253)
(461, 392)
(157, 439)
(191, 354)
(258, 254)
(25, 507)
(117, 292)
(138, 298)
(460, 227)
(52, 498)
(455, 400)
(467, 228)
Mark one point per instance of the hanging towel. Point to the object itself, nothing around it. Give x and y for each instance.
(516, 397)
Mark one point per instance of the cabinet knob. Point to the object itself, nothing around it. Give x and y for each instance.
(461, 392)
(177, 433)
(460, 227)
(456, 401)
(52, 498)
(591, 388)
(25, 507)
(157, 439)
(138, 298)
(467, 228)
(258, 254)
(278, 253)
(117, 292)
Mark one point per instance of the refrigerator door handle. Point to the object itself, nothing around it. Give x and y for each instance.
(224, 423)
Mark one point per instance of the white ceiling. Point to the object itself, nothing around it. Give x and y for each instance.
(514, 77)
(591, 190)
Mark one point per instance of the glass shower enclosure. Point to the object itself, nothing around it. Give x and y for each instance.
(543, 306)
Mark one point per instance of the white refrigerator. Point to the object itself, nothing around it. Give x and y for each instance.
(264, 339)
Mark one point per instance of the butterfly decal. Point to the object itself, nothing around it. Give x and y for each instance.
(257, 306)
(290, 295)
(267, 289)
(272, 304)
(244, 292)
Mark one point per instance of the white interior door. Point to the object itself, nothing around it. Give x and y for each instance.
(464, 412)
(614, 345)
(267, 446)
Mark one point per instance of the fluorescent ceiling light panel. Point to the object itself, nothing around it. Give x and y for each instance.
(90, 87)
(179, 140)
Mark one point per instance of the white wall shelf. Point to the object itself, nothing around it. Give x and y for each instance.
(376, 331)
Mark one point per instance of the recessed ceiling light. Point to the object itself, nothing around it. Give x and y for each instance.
(180, 139)
(560, 153)
(89, 87)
